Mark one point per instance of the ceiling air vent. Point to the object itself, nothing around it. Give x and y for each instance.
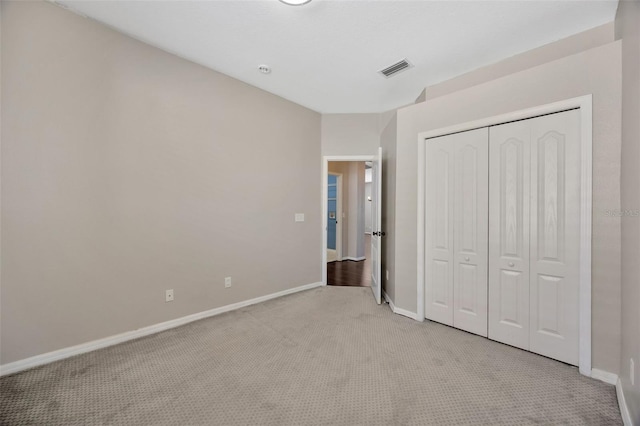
(396, 68)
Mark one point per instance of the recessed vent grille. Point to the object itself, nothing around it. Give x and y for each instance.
(396, 68)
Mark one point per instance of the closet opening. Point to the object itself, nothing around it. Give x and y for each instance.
(504, 229)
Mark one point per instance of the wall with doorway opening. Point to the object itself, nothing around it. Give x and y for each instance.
(350, 134)
(362, 134)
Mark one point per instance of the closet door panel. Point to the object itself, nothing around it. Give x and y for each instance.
(509, 160)
(456, 230)
(439, 231)
(555, 231)
(471, 231)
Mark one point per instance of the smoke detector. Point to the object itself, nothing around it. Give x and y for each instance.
(264, 69)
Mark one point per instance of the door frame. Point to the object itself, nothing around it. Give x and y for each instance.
(584, 105)
(338, 214)
(325, 177)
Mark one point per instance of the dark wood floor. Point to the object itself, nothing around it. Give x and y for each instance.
(350, 272)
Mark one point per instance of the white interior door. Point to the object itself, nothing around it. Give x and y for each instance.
(376, 227)
(470, 230)
(457, 230)
(555, 236)
(534, 228)
(438, 294)
(531, 173)
(509, 175)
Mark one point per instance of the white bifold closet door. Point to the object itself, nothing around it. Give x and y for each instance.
(509, 198)
(534, 234)
(456, 230)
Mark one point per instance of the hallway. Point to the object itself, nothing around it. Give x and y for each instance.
(350, 272)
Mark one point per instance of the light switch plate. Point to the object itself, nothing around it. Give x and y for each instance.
(299, 217)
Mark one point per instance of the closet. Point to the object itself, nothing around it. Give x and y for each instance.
(502, 233)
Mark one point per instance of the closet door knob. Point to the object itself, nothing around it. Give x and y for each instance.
(511, 264)
(466, 259)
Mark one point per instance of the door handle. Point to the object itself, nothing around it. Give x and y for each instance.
(379, 234)
(511, 264)
(466, 259)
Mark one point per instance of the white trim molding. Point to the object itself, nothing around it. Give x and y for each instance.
(38, 360)
(584, 104)
(422, 169)
(604, 376)
(622, 403)
(355, 259)
(397, 310)
(389, 301)
(613, 379)
(406, 313)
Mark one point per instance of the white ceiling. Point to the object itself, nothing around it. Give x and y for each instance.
(325, 55)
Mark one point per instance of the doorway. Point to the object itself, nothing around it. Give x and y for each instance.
(358, 263)
(346, 213)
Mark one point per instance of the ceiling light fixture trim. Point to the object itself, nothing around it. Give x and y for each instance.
(295, 2)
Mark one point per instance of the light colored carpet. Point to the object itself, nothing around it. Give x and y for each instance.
(324, 356)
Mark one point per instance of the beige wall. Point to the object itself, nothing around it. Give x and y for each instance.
(388, 140)
(127, 171)
(628, 29)
(342, 167)
(367, 206)
(597, 72)
(580, 42)
(350, 134)
(356, 209)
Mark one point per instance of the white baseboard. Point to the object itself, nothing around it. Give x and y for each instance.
(389, 301)
(355, 259)
(35, 361)
(622, 403)
(604, 376)
(613, 379)
(397, 310)
(406, 313)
